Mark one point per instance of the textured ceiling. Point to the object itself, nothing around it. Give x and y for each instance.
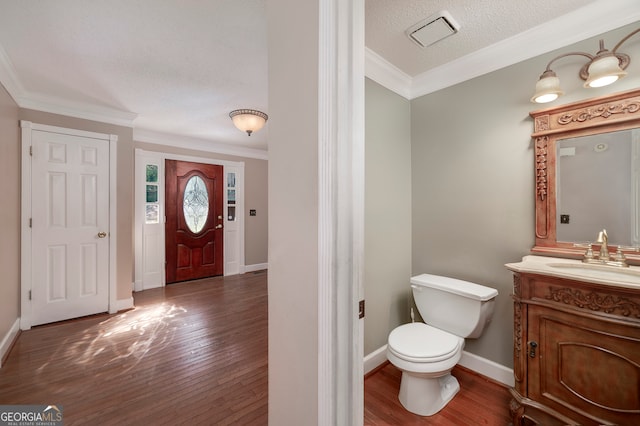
(482, 23)
(181, 66)
(174, 69)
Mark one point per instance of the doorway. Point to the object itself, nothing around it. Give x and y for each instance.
(194, 226)
(68, 232)
(150, 216)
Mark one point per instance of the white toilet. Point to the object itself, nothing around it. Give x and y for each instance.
(426, 352)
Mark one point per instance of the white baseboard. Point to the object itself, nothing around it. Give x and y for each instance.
(256, 267)
(123, 304)
(8, 339)
(375, 359)
(480, 365)
(488, 368)
(157, 285)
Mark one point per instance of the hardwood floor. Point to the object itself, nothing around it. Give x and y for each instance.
(192, 353)
(480, 401)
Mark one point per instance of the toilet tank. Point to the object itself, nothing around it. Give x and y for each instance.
(459, 307)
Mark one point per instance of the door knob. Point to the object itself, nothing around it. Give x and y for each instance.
(219, 226)
(102, 234)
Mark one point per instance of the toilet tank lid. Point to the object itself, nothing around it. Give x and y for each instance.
(453, 285)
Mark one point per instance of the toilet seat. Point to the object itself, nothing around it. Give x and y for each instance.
(421, 343)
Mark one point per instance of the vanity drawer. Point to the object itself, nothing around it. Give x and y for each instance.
(593, 299)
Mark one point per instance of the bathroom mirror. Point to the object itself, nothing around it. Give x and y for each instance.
(594, 173)
(587, 165)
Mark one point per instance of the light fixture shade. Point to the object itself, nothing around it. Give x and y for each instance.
(248, 120)
(547, 88)
(603, 68)
(603, 71)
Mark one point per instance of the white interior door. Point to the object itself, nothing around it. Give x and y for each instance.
(70, 226)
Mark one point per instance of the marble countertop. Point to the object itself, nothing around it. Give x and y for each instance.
(577, 270)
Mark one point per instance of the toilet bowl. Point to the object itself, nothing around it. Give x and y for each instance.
(426, 352)
(423, 352)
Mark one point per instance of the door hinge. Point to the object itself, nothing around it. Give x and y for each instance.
(30, 223)
(29, 294)
(31, 150)
(361, 309)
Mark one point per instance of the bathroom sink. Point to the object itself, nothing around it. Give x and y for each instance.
(602, 271)
(576, 269)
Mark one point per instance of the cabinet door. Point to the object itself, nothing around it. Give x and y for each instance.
(585, 367)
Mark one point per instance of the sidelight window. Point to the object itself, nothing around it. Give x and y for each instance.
(152, 207)
(231, 197)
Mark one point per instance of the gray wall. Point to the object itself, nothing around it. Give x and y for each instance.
(9, 213)
(473, 205)
(255, 197)
(472, 176)
(387, 213)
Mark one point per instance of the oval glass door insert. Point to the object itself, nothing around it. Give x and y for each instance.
(195, 204)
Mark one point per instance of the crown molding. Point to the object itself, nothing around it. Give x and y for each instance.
(82, 110)
(197, 144)
(588, 21)
(386, 74)
(30, 100)
(565, 30)
(8, 77)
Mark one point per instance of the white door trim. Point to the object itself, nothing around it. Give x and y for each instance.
(114, 305)
(25, 214)
(341, 212)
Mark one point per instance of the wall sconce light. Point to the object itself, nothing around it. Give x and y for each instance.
(248, 120)
(603, 68)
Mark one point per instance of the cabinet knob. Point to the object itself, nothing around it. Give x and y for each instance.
(532, 349)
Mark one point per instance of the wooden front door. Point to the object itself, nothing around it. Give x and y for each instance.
(194, 237)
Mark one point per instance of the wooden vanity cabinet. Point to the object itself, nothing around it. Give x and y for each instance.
(576, 352)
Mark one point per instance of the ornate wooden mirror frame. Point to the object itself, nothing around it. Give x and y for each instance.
(605, 114)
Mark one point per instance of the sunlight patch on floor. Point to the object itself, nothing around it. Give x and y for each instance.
(125, 338)
(142, 320)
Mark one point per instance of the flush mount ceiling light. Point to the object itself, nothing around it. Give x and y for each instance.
(248, 120)
(603, 68)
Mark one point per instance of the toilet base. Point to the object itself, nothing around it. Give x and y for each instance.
(425, 395)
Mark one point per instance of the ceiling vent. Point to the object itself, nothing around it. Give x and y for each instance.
(433, 29)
